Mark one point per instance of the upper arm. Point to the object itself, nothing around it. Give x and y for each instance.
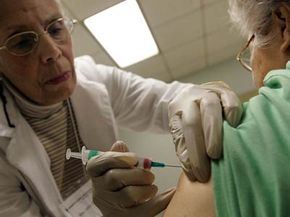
(191, 199)
(133, 97)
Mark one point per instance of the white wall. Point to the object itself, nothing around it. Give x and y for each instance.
(160, 147)
(229, 71)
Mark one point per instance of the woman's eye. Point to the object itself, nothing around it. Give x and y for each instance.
(22, 43)
(56, 29)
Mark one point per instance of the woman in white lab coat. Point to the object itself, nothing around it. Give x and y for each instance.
(49, 103)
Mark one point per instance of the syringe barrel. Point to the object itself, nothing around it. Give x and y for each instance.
(86, 154)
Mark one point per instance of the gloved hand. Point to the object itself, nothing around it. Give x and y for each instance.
(120, 189)
(196, 119)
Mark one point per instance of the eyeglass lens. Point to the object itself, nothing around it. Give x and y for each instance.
(246, 57)
(23, 43)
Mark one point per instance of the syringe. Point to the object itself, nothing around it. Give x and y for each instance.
(86, 155)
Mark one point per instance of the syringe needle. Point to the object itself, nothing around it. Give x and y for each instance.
(168, 165)
(162, 165)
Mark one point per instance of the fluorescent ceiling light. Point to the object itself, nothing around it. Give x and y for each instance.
(124, 33)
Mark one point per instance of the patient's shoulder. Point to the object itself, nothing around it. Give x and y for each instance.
(191, 199)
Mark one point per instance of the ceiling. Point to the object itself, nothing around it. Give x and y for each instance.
(191, 35)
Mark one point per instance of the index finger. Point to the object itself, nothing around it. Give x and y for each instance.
(100, 164)
(212, 122)
(194, 141)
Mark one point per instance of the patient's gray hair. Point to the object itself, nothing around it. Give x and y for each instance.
(254, 16)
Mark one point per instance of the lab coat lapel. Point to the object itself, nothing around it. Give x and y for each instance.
(94, 115)
(26, 153)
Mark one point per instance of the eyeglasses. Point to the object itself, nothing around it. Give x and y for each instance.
(244, 55)
(23, 43)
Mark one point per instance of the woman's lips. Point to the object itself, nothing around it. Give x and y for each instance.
(59, 79)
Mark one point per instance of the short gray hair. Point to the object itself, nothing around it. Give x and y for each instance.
(254, 16)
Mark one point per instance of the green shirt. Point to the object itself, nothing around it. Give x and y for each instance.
(253, 177)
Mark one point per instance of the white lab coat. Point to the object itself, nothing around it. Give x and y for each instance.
(104, 97)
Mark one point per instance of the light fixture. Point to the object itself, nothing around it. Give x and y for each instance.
(123, 33)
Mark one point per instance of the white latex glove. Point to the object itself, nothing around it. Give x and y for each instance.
(196, 118)
(120, 189)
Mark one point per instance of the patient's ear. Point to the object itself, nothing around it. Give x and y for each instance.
(282, 15)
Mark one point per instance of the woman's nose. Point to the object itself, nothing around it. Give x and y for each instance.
(48, 49)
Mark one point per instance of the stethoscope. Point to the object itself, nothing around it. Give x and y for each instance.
(4, 103)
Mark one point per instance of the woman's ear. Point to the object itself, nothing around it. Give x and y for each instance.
(282, 15)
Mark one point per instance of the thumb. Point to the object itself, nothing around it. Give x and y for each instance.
(120, 146)
(159, 202)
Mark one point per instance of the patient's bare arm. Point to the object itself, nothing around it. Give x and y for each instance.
(191, 199)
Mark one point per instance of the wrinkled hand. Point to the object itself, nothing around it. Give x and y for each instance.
(196, 120)
(120, 189)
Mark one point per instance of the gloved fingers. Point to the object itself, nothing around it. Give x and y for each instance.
(194, 142)
(176, 131)
(154, 206)
(115, 179)
(131, 196)
(175, 127)
(212, 122)
(100, 164)
(187, 170)
(232, 107)
(120, 146)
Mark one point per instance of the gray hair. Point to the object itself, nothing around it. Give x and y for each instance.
(254, 16)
